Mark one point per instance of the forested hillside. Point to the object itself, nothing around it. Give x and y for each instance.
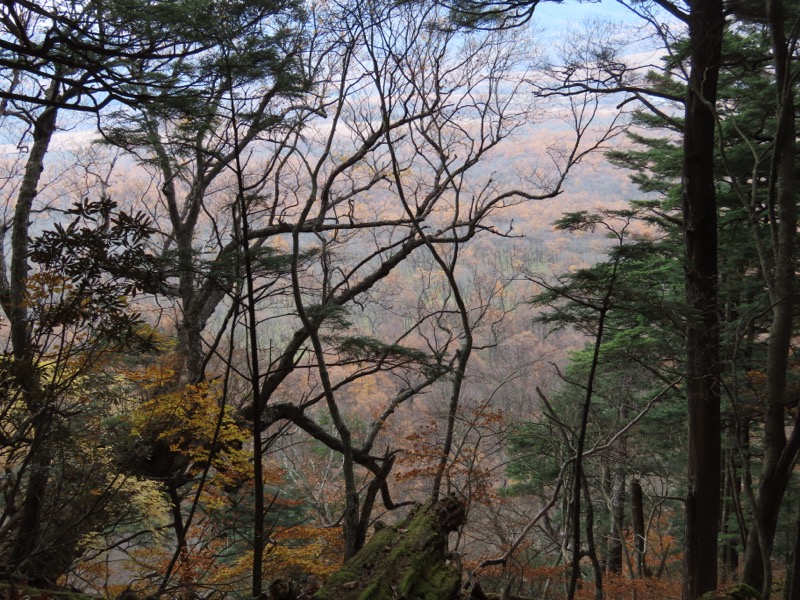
(473, 310)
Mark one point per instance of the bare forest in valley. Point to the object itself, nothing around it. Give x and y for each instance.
(398, 300)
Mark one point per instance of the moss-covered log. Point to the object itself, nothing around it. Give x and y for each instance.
(407, 562)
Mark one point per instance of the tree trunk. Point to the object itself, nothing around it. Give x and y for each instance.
(639, 533)
(14, 295)
(792, 589)
(779, 455)
(615, 541)
(591, 549)
(706, 22)
(403, 563)
(729, 556)
(27, 550)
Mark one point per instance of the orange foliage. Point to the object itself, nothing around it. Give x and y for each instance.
(621, 587)
(470, 469)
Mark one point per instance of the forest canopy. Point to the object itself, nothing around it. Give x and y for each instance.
(365, 299)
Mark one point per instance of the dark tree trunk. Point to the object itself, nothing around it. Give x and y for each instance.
(27, 532)
(591, 548)
(779, 453)
(793, 568)
(729, 556)
(639, 533)
(702, 333)
(575, 509)
(615, 541)
(27, 541)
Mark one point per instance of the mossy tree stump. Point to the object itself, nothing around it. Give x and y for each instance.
(408, 562)
(740, 591)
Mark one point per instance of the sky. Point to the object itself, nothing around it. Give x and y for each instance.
(555, 15)
(554, 18)
(551, 18)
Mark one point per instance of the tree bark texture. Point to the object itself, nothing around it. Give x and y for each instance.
(639, 532)
(408, 562)
(25, 546)
(702, 332)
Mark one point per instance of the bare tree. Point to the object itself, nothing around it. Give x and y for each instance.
(379, 170)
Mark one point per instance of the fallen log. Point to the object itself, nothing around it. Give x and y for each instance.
(406, 562)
